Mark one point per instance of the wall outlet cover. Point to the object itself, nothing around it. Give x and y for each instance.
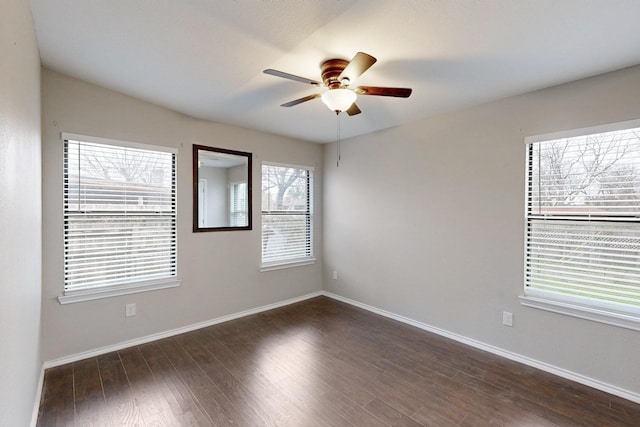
(130, 310)
(507, 318)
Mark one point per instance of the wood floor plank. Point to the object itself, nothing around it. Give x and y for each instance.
(363, 371)
(390, 415)
(146, 391)
(625, 407)
(430, 417)
(571, 408)
(302, 385)
(264, 379)
(504, 407)
(217, 406)
(320, 363)
(325, 381)
(172, 389)
(117, 391)
(57, 404)
(233, 389)
(90, 404)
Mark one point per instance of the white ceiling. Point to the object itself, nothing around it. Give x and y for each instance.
(205, 58)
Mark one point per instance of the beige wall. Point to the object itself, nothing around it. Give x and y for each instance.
(20, 214)
(220, 270)
(426, 221)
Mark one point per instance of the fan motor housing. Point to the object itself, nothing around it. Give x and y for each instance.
(331, 70)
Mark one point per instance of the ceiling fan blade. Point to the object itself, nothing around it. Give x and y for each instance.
(300, 100)
(358, 65)
(353, 110)
(291, 77)
(399, 92)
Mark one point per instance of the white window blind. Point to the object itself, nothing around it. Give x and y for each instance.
(583, 220)
(119, 215)
(286, 214)
(239, 205)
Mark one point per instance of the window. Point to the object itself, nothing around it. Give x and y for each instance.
(582, 237)
(287, 213)
(238, 204)
(119, 218)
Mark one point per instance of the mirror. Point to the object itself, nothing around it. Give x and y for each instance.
(221, 189)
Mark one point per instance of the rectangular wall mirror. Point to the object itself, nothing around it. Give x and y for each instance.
(221, 189)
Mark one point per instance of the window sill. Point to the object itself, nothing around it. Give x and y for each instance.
(629, 320)
(279, 265)
(113, 291)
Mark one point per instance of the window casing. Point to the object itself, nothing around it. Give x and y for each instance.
(582, 231)
(120, 218)
(287, 216)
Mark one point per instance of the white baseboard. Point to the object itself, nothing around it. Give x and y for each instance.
(173, 332)
(38, 397)
(608, 388)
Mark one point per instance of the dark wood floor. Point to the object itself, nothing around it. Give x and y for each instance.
(317, 363)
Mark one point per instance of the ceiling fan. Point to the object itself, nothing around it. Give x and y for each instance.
(337, 75)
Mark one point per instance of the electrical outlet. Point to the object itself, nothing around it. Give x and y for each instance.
(130, 310)
(507, 318)
(335, 275)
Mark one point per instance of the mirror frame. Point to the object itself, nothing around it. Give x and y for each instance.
(196, 227)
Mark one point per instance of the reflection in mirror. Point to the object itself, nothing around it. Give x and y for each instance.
(221, 189)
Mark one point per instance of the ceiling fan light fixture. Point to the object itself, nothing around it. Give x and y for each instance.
(339, 99)
(337, 75)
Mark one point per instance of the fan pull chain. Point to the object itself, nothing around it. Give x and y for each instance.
(338, 139)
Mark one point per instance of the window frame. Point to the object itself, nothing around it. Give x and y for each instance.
(580, 307)
(173, 280)
(290, 262)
